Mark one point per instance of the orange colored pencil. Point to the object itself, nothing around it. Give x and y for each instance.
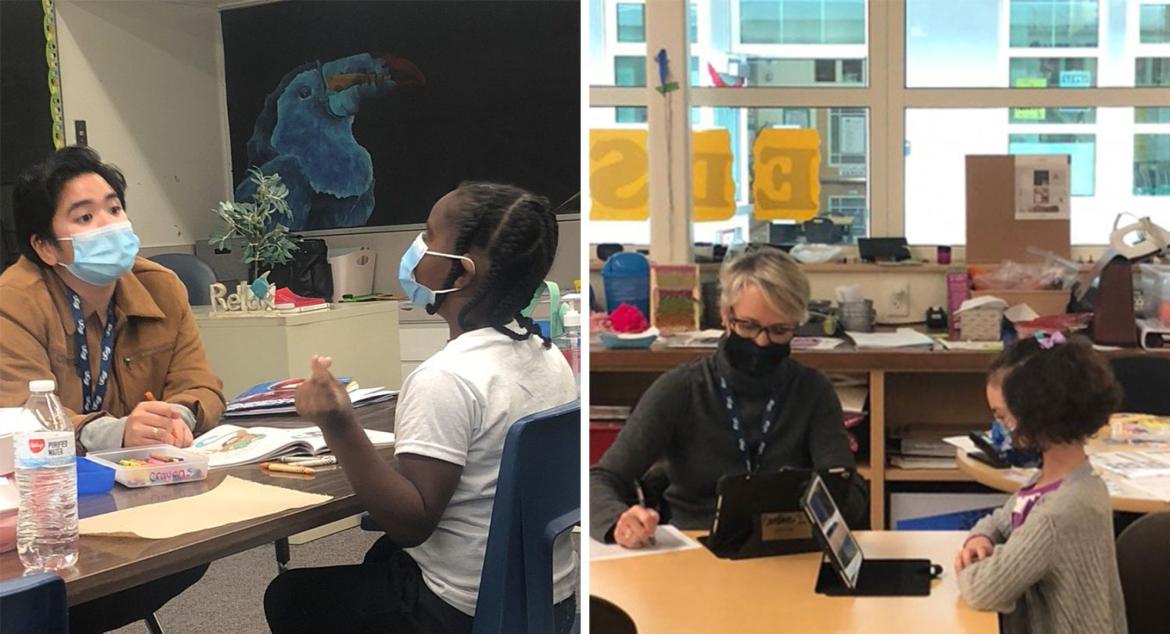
(287, 468)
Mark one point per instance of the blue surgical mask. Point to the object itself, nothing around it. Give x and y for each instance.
(102, 255)
(420, 295)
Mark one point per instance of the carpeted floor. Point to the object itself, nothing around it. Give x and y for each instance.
(229, 599)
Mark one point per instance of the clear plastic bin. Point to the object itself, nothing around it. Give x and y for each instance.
(193, 466)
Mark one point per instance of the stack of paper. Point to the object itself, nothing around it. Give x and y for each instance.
(903, 338)
(694, 339)
(285, 403)
(1134, 464)
(816, 343)
(922, 451)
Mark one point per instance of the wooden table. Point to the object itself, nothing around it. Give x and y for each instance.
(109, 564)
(1010, 480)
(694, 591)
(930, 391)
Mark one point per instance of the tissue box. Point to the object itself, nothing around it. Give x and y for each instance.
(980, 324)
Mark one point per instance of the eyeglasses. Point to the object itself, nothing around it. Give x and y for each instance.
(777, 333)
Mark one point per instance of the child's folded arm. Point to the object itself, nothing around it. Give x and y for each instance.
(997, 582)
(996, 526)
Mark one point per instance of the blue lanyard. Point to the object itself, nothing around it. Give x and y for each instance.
(771, 411)
(92, 397)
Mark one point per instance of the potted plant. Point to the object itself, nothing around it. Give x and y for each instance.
(266, 241)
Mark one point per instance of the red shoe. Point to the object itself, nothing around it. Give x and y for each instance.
(289, 302)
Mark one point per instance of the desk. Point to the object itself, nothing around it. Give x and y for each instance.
(1010, 480)
(931, 390)
(109, 564)
(694, 591)
(362, 339)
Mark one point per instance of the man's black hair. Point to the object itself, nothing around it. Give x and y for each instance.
(35, 199)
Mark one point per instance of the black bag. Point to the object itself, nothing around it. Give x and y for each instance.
(308, 274)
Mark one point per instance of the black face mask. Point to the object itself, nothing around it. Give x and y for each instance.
(747, 357)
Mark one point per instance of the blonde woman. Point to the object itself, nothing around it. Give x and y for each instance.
(789, 414)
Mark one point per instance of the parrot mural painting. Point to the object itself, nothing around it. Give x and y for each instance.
(305, 134)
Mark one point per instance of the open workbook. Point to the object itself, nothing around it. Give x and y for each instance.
(229, 445)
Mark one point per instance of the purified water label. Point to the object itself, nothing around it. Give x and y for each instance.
(44, 449)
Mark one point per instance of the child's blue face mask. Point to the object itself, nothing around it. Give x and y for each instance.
(102, 255)
(1001, 437)
(419, 294)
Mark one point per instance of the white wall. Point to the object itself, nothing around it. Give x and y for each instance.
(145, 76)
(392, 243)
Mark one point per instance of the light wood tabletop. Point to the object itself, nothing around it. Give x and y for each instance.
(1125, 497)
(694, 591)
(110, 564)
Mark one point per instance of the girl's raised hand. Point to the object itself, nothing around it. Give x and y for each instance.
(321, 398)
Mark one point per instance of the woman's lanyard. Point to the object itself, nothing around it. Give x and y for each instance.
(92, 398)
(771, 411)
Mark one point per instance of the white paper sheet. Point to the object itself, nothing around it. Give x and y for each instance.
(667, 538)
(1042, 187)
(962, 442)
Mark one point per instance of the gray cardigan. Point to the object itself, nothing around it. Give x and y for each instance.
(682, 418)
(1058, 571)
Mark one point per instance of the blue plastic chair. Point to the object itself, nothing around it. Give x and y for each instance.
(194, 273)
(538, 497)
(34, 604)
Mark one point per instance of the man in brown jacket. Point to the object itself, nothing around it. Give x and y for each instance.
(112, 329)
(72, 226)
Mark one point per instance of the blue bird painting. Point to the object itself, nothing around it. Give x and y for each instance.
(305, 134)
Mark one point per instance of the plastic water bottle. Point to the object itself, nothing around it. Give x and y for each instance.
(570, 342)
(46, 475)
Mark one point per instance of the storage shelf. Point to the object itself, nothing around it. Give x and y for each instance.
(896, 474)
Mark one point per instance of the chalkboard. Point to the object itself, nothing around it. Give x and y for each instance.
(501, 99)
(26, 125)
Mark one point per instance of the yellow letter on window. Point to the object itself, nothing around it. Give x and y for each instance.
(787, 185)
(618, 175)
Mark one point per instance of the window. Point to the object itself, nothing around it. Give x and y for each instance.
(1151, 165)
(802, 21)
(847, 147)
(629, 71)
(844, 143)
(939, 139)
(1152, 71)
(1081, 149)
(853, 207)
(631, 22)
(1155, 24)
(1042, 43)
(1151, 115)
(1102, 66)
(1053, 23)
(1053, 72)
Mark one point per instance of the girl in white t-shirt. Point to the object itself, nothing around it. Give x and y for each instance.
(485, 250)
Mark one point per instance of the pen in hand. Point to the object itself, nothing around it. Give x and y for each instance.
(642, 503)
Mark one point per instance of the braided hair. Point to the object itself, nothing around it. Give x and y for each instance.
(518, 231)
